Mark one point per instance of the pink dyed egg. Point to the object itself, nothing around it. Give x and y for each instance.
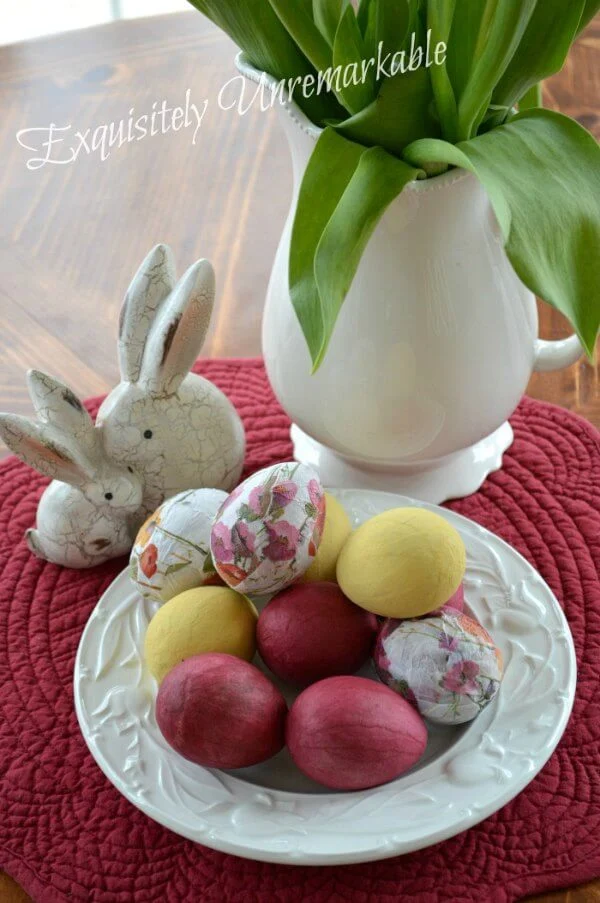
(350, 733)
(267, 532)
(311, 631)
(221, 712)
(447, 666)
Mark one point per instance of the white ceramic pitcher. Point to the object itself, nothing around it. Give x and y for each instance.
(432, 351)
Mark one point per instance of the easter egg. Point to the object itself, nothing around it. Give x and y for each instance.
(447, 666)
(206, 619)
(403, 563)
(311, 631)
(455, 603)
(171, 552)
(267, 532)
(336, 531)
(350, 733)
(221, 712)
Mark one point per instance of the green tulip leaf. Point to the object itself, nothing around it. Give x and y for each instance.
(542, 51)
(492, 57)
(531, 99)
(378, 179)
(387, 25)
(589, 11)
(439, 19)
(356, 81)
(254, 26)
(301, 27)
(327, 15)
(400, 114)
(362, 15)
(344, 193)
(469, 31)
(330, 169)
(542, 174)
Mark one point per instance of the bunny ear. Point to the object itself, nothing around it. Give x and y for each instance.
(57, 405)
(152, 283)
(179, 330)
(37, 446)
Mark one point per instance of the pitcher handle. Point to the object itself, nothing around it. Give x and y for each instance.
(558, 354)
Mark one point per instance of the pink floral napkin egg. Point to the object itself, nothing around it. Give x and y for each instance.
(268, 530)
(447, 666)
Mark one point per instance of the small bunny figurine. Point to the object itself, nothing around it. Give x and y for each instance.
(176, 429)
(92, 509)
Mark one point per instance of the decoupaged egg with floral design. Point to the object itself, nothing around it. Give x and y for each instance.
(171, 553)
(267, 532)
(447, 666)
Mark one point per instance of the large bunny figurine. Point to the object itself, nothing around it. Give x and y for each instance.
(92, 509)
(176, 429)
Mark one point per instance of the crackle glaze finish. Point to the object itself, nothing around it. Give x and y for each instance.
(160, 431)
(90, 511)
(175, 428)
(270, 812)
(432, 350)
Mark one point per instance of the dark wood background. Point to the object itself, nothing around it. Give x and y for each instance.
(71, 236)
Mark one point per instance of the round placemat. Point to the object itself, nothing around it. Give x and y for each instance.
(67, 834)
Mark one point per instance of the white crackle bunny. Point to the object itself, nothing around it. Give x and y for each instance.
(177, 429)
(92, 509)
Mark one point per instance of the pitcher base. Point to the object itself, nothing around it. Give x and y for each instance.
(452, 477)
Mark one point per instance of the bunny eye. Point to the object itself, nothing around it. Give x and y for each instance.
(148, 434)
(130, 469)
(108, 496)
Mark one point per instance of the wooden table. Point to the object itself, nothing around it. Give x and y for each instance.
(72, 235)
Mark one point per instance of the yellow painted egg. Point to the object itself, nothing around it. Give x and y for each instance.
(205, 619)
(336, 531)
(403, 563)
(171, 552)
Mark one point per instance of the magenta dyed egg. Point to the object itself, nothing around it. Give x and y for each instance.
(446, 665)
(311, 631)
(221, 712)
(351, 733)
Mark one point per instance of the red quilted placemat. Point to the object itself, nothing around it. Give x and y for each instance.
(67, 834)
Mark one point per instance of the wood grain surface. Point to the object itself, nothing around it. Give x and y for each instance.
(72, 235)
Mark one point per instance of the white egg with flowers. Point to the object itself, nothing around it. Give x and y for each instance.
(267, 532)
(171, 553)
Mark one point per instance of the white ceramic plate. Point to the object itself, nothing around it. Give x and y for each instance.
(271, 812)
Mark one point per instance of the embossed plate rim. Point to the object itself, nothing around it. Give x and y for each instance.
(504, 749)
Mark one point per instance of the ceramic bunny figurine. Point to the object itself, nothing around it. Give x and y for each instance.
(176, 429)
(92, 509)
